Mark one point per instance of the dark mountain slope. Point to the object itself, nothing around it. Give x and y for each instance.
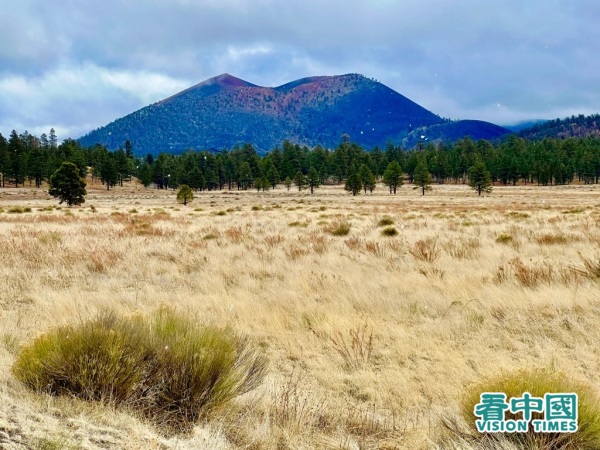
(575, 126)
(225, 111)
(453, 131)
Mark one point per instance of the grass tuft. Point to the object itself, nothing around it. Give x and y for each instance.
(385, 221)
(339, 228)
(389, 231)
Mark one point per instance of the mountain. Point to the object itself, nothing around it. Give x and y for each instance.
(225, 111)
(515, 128)
(575, 126)
(453, 131)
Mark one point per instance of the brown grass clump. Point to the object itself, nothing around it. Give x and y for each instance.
(355, 347)
(427, 250)
(532, 276)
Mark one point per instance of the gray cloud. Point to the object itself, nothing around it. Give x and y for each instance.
(78, 65)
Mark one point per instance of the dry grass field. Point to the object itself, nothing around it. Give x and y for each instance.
(371, 338)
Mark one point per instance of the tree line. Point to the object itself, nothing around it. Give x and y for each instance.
(25, 158)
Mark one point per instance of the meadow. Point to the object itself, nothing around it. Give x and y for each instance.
(372, 335)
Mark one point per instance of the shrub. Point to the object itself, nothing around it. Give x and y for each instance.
(339, 228)
(389, 231)
(165, 366)
(504, 238)
(16, 210)
(385, 221)
(537, 383)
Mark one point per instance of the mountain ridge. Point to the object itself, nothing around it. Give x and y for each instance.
(224, 111)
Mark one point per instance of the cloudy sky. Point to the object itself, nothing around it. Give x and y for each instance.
(76, 65)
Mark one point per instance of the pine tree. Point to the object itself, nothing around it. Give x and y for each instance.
(67, 185)
(245, 176)
(196, 179)
(312, 179)
(353, 184)
(273, 176)
(367, 178)
(421, 176)
(185, 194)
(288, 183)
(392, 176)
(299, 180)
(479, 178)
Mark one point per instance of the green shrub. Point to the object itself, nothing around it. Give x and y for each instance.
(298, 224)
(165, 366)
(389, 231)
(16, 210)
(339, 228)
(537, 383)
(385, 221)
(504, 238)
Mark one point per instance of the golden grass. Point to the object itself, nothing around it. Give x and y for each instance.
(447, 302)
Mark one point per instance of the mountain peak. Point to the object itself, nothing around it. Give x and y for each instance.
(227, 80)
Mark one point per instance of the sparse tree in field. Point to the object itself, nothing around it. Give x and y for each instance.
(367, 178)
(258, 184)
(108, 171)
(185, 194)
(145, 174)
(392, 176)
(422, 177)
(353, 184)
(479, 178)
(67, 185)
(313, 179)
(299, 180)
(288, 183)
(273, 176)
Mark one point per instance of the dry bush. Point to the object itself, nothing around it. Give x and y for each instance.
(463, 248)
(235, 234)
(274, 240)
(316, 241)
(293, 406)
(550, 239)
(355, 348)
(532, 276)
(372, 424)
(376, 249)
(591, 267)
(295, 251)
(427, 250)
(354, 243)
